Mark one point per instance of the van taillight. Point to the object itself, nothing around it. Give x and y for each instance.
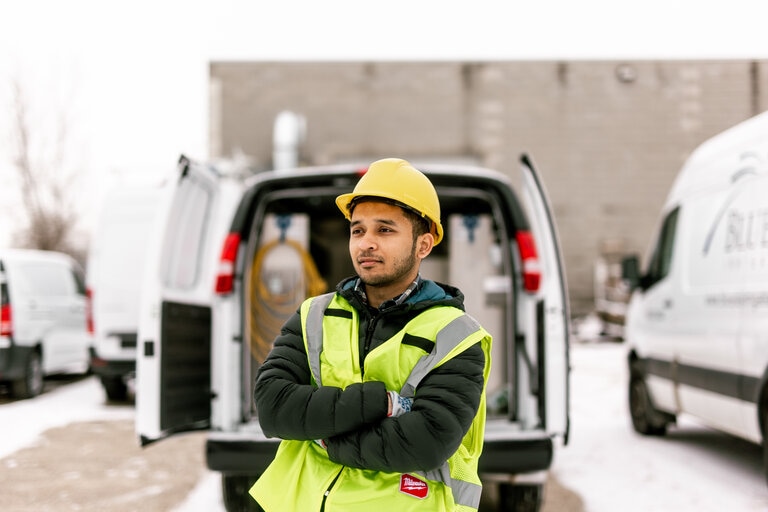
(6, 325)
(89, 311)
(225, 278)
(530, 260)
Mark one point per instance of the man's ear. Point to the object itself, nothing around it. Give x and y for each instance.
(424, 245)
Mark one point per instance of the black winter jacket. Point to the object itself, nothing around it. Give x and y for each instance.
(353, 421)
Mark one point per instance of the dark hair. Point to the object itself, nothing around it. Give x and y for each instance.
(421, 225)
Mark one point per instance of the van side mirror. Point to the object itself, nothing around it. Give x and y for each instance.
(630, 271)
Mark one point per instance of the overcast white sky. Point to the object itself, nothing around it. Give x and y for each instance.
(133, 75)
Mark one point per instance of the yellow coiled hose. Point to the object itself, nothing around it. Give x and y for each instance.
(270, 308)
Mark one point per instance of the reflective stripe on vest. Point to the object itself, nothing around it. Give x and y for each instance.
(447, 340)
(464, 493)
(313, 333)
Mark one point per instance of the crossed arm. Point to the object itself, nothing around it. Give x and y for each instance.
(354, 421)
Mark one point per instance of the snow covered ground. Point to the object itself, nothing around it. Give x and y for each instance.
(24, 420)
(612, 468)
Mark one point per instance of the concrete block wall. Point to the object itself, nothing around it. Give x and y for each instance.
(608, 137)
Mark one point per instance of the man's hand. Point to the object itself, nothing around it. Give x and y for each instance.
(398, 405)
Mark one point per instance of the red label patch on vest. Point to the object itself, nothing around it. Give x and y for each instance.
(413, 486)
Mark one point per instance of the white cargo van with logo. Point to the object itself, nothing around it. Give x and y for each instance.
(697, 323)
(42, 318)
(284, 239)
(116, 261)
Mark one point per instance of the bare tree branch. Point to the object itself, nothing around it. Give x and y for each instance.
(46, 185)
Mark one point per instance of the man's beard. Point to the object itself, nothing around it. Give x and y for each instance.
(402, 268)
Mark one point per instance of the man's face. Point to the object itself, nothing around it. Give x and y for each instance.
(382, 248)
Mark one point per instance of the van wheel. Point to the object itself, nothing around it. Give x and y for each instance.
(645, 419)
(765, 441)
(31, 384)
(520, 498)
(115, 388)
(234, 490)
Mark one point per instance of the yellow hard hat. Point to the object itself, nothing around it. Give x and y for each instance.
(398, 180)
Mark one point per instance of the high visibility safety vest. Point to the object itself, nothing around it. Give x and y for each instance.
(302, 478)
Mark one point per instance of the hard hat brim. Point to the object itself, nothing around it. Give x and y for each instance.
(343, 201)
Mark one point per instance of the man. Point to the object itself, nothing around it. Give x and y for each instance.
(378, 389)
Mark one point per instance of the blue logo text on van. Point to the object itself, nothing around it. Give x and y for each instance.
(746, 230)
(739, 232)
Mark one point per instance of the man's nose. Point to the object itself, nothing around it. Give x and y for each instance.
(366, 242)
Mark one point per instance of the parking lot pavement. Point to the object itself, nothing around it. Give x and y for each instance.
(99, 465)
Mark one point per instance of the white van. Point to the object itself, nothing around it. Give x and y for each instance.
(42, 319)
(116, 261)
(234, 259)
(697, 323)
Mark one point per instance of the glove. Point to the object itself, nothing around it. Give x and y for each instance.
(400, 404)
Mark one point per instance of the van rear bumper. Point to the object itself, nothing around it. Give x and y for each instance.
(515, 456)
(110, 368)
(240, 455)
(243, 455)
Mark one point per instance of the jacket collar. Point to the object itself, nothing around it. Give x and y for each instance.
(426, 293)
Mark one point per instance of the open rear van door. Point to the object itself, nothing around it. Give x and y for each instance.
(173, 370)
(552, 314)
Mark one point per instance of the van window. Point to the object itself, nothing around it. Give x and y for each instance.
(79, 276)
(4, 298)
(183, 250)
(37, 278)
(661, 260)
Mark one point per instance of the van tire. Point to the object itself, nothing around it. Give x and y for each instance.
(234, 492)
(646, 419)
(115, 388)
(30, 384)
(520, 497)
(764, 412)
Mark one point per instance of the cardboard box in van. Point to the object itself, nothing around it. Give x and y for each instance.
(42, 318)
(697, 323)
(235, 257)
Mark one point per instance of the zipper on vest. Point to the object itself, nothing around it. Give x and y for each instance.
(328, 490)
(367, 345)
